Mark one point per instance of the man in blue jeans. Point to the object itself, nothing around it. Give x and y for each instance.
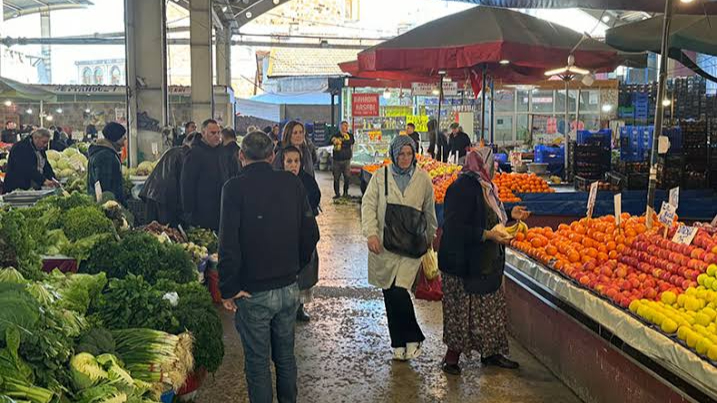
(258, 269)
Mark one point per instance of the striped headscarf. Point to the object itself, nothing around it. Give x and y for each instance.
(480, 165)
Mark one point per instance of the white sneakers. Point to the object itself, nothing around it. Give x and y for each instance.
(411, 351)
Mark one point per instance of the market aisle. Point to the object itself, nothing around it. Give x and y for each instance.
(344, 353)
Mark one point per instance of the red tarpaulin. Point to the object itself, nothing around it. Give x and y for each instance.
(652, 6)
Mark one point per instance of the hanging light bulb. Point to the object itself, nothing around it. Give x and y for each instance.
(8, 103)
(387, 94)
(29, 111)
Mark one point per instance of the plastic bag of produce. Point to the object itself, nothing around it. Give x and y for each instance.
(429, 290)
(430, 264)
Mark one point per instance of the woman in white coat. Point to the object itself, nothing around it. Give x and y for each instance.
(407, 186)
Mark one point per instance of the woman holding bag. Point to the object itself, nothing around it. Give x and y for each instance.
(399, 222)
(471, 258)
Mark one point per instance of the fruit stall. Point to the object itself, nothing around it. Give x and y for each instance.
(129, 321)
(617, 311)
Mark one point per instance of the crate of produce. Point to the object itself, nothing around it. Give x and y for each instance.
(670, 170)
(549, 155)
(583, 184)
(628, 167)
(601, 138)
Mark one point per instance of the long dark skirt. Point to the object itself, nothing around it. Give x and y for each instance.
(473, 322)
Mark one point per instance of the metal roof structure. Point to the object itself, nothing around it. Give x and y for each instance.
(292, 62)
(17, 8)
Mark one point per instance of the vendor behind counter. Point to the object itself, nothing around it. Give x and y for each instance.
(27, 166)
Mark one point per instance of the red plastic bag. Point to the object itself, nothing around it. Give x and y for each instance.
(212, 278)
(430, 290)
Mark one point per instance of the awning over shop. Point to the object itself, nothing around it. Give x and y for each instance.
(312, 98)
(653, 6)
(261, 110)
(10, 89)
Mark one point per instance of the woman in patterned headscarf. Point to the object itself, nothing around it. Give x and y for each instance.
(471, 258)
(403, 184)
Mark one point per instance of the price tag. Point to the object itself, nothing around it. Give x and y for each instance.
(98, 191)
(516, 158)
(667, 214)
(714, 221)
(618, 209)
(675, 197)
(685, 235)
(592, 198)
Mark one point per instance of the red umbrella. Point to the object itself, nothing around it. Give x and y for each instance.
(488, 36)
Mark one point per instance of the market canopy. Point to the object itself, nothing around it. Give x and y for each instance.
(652, 6)
(511, 45)
(687, 32)
(15, 90)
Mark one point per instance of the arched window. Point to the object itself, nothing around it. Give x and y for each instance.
(99, 76)
(86, 76)
(115, 75)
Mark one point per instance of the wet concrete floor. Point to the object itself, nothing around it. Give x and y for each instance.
(344, 353)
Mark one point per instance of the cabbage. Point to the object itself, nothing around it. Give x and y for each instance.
(53, 155)
(63, 164)
(66, 173)
(69, 152)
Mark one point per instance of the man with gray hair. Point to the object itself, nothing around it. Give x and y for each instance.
(27, 167)
(258, 269)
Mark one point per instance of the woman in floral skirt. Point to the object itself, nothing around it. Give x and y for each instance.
(472, 258)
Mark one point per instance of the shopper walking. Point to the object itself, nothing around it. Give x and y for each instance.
(416, 136)
(472, 259)
(343, 142)
(459, 143)
(203, 175)
(104, 164)
(27, 166)
(437, 142)
(9, 135)
(295, 135)
(161, 190)
(399, 221)
(309, 275)
(189, 128)
(231, 151)
(90, 133)
(256, 282)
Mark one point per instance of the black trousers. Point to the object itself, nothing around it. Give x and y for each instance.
(402, 324)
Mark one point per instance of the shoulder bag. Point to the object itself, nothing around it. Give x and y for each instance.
(404, 232)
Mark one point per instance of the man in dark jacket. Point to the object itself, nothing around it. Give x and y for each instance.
(104, 164)
(416, 136)
(258, 270)
(161, 190)
(438, 144)
(9, 135)
(231, 150)
(459, 142)
(27, 167)
(203, 175)
(341, 165)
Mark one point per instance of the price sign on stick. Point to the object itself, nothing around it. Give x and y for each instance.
(675, 197)
(618, 209)
(714, 221)
(592, 198)
(685, 235)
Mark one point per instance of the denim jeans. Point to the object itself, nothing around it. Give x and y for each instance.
(266, 325)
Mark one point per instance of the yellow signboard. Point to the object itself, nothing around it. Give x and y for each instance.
(420, 121)
(396, 111)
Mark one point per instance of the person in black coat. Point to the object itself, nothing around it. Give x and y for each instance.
(309, 275)
(231, 150)
(471, 257)
(438, 144)
(27, 166)
(161, 190)
(459, 142)
(9, 135)
(203, 175)
(415, 136)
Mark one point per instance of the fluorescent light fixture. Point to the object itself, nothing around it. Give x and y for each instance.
(49, 118)
(442, 72)
(436, 92)
(606, 19)
(8, 103)
(666, 102)
(87, 110)
(58, 110)
(686, 1)
(567, 70)
(504, 62)
(607, 108)
(29, 111)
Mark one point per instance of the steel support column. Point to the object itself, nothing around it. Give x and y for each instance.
(46, 32)
(225, 106)
(200, 34)
(147, 100)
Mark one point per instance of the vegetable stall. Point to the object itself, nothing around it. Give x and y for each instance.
(132, 324)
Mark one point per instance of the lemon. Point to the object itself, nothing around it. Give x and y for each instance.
(702, 319)
(691, 291)
(634, 305)
(710, 312)
(701, 330)
(668, 297)
(669, 326)
(692, 304)
(712, 353)
(712, 270)
(714, 285)
(701, 279)
(703, 345)
(642, 311)
(693, 338)
(683, 331)
(658, 318)
(681, 299)
(708, 282)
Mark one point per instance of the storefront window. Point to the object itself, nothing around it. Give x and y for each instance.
(99, 76)
(590, 121)
(543, 101)
(560, 101)
(523, 100)
(522, 129)
(87, 76)
(589, 101)
(504, 129)
(505, 101)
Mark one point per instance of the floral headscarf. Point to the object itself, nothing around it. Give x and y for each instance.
(480, 165)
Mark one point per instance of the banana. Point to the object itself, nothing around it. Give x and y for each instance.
(520, 226)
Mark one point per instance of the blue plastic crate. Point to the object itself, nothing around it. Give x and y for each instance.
(602, 137)
(549, 155)
(502, 158)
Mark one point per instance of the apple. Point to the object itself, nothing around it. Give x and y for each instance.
(686, 284)
(666, 276)
(714, 249)
(663, 286)
(681, 270)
